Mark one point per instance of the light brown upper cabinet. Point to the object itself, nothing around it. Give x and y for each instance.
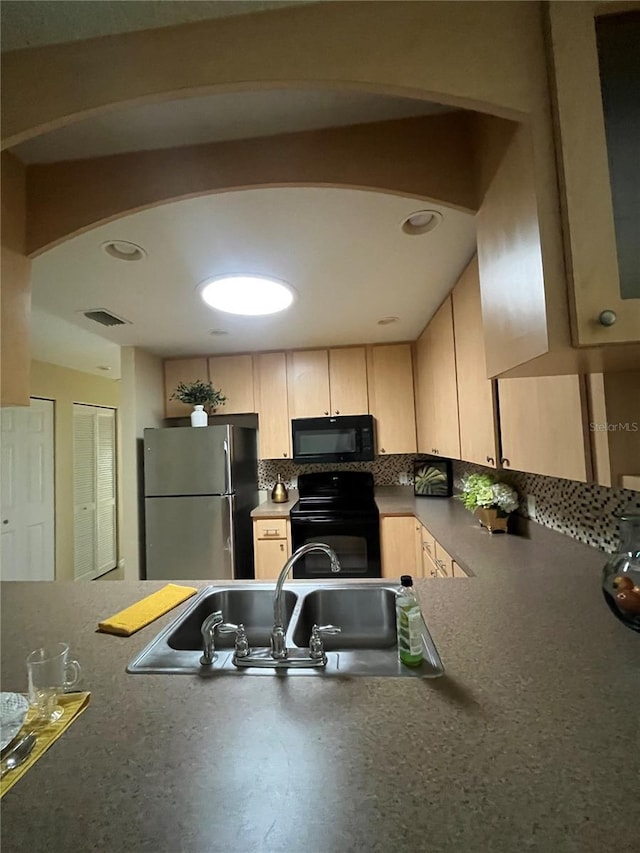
(348, 381)
(308, 383)
(233, 375)
(391, 401)
(514, 306)
(181, 370)
(596, 124)
(543, 425)
(332, 382)
(436, 386)
(270, 383)
(614, 424)
(477, 400)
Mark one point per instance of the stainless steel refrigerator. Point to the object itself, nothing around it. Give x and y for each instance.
(200, 485)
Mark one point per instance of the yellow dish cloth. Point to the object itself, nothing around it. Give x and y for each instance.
(143, 612)
(73, 705)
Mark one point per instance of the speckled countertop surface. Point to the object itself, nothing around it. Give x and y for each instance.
(530, 742)
(268, 509)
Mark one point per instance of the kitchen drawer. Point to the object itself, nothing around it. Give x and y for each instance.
(443, 561)
(458, 572)
(428, 544)
(270, 528)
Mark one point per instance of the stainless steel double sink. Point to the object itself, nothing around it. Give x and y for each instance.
(365, 613)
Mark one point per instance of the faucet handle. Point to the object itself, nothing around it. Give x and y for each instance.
(242, 648)
(316, 646)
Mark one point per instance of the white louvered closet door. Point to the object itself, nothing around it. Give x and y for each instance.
(94, 485)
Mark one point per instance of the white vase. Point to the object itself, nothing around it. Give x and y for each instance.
(199, 417)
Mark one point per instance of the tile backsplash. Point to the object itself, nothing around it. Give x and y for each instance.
(586, 512)
(386, 470)
(583, 511)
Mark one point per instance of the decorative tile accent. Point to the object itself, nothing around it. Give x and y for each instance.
(584, 511)
(387, 470)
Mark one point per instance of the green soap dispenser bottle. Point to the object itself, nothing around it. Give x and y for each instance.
(409, 623)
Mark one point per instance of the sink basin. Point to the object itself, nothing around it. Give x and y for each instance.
(252, 607)
(365, 611)
(367, 617)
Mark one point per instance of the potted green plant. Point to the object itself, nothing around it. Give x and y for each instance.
(199, 394)
(490, 500)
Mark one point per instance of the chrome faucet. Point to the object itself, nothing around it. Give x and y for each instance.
(278, 644)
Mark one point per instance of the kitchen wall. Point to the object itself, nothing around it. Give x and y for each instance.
(66, 387)
(583, 511)
(142, 406)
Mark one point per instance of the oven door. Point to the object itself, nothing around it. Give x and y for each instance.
(356, 541)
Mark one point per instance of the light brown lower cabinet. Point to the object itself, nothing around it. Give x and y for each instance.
(408, 548)
(458, 571)
(271, 546)
(444, 563)
(397, 546)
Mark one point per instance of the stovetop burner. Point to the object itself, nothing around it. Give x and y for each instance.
(339, 490)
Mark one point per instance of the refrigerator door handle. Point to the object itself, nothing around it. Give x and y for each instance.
(229, 537)
(227, 467)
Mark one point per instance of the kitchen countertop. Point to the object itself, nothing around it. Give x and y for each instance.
(529, 742)
(268, 509)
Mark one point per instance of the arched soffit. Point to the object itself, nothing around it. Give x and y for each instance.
(428, 158)
(487, 57)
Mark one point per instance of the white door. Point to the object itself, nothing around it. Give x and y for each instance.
(94, 487)
(27, 522)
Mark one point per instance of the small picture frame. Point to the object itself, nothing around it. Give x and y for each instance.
(432, 477)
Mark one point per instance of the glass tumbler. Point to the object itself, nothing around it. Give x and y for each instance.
(621, 574)
(50, 673)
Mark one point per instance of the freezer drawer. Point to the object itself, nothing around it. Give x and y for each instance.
(189, 538)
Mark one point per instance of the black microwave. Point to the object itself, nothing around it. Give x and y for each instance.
(348, 438)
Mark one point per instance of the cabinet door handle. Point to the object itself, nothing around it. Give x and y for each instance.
(285, 454)
(505, 461)
(270, 531)
(337, 411)
(382, 450)
(282, 546)
(491, 460)
(326, 413)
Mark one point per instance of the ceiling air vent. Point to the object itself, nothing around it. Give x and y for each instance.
(105, 318)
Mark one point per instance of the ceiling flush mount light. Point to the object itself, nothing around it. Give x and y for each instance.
(250, 295)
(421, 222)
(123, 250)
(387, 321)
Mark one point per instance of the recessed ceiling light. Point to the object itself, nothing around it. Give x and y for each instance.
(123, 250)
(421, 222)
(251, 295)
(387, 321)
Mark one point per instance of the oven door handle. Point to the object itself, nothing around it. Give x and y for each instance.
(317, 519)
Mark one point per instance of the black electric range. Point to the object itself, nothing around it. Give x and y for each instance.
(339, 509)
